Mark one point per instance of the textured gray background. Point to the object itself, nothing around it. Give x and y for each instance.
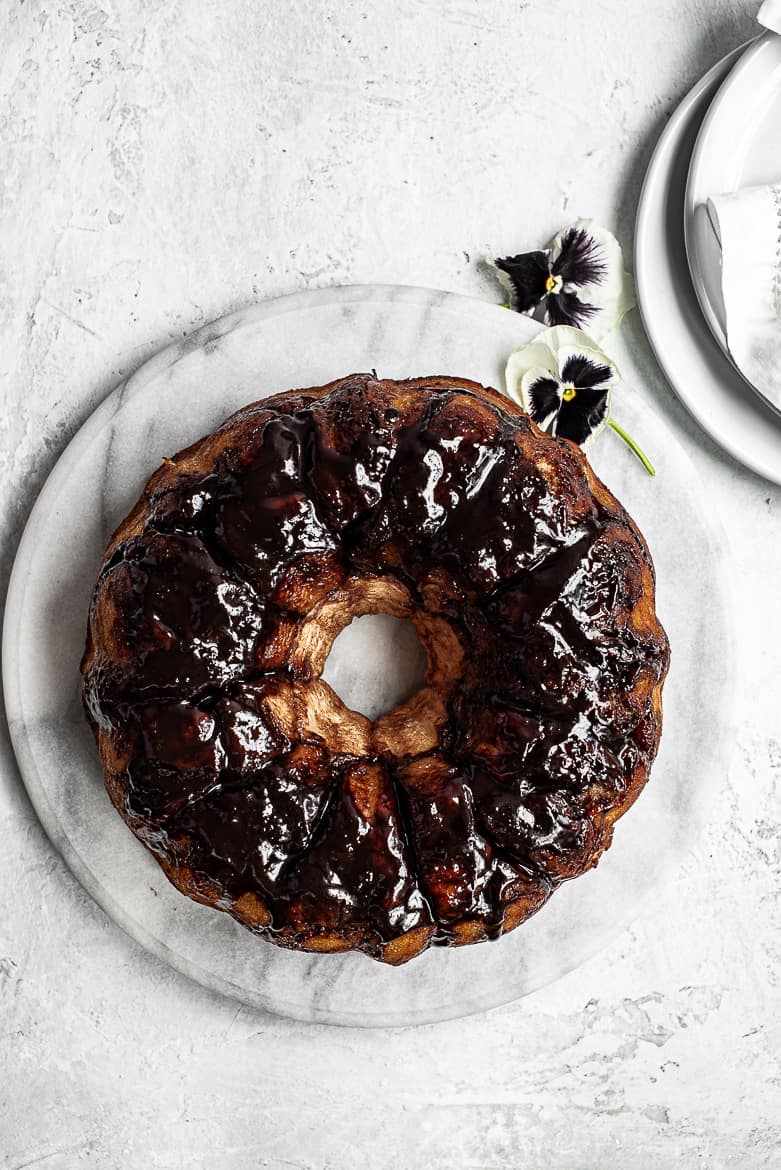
(162, 163)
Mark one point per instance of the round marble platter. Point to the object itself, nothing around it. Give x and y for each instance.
(183, 393)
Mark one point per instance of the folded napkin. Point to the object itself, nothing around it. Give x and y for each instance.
(748, 225)
(770, 15)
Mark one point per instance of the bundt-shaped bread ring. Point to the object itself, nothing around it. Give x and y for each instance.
(451, 818)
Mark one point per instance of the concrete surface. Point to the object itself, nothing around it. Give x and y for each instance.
(163, 162)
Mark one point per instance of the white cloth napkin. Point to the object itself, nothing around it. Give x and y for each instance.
(770, 15)
(748, 225)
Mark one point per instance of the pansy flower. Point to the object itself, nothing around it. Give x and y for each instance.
(565, 383)
(578, 280)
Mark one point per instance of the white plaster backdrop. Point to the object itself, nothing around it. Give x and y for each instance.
(164, 163)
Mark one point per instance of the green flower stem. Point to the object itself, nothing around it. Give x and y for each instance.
(632, 445)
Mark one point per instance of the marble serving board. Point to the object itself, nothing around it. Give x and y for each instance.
(183, 393)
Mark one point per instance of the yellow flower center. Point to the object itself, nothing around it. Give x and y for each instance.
(568, 393)
(552, 284)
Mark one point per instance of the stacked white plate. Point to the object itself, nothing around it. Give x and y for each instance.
(725, 135)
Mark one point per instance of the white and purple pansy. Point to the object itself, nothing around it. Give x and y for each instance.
(565, 383)
(578, 280)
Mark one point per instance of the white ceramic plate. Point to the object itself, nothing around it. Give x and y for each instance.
(702, 375)
(185, 392)
(738, 145)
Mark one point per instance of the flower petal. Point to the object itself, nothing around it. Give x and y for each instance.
(578, 255)
(585, 371)
(584, 416)
(591, 264)
(561, 343)
(566, 308)
(536, 357)
(563, 337)
(560, 359)
(525, 277)
(541, 398)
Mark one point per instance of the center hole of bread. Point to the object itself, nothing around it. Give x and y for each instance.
(376, 663)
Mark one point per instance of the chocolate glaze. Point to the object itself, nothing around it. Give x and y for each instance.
(178, 756)
(246, 835)
(183, 623)
(445, 489)
(461, 495)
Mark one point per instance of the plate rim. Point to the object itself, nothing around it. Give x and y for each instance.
(759, 47)
(769, 469)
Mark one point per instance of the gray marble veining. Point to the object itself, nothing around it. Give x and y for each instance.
(183, 393)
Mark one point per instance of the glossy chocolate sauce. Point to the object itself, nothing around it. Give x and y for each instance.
(219, 770)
